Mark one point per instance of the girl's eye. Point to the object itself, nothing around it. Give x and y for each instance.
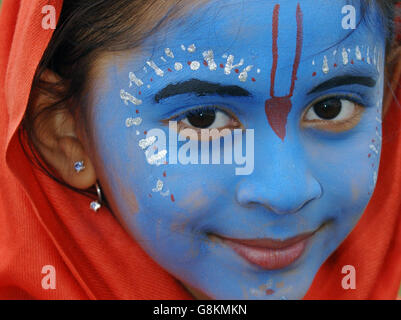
(333, 114)
(208, 118)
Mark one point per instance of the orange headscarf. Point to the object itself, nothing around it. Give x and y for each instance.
(44, 223)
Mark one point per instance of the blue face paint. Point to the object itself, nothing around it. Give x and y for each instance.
(245, 65)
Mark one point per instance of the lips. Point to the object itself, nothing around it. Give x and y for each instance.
(269, 254)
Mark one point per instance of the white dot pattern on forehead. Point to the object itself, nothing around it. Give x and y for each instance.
(154, 66)
(358, 53)
(178, 66)
(209, 58)
(345, 56)
(169, 53)
(195, 65)
(192, 48)
(230, 64)
(349, 56)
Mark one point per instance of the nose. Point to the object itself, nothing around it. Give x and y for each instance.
(283, 185)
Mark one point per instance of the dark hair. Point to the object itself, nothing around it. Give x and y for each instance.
(87, 28)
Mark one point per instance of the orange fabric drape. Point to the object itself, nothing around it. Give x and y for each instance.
(44, 223)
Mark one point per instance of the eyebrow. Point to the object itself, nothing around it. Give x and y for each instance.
(200, 88)
(343, 81)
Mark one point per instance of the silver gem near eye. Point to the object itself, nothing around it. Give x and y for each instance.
(331, 109)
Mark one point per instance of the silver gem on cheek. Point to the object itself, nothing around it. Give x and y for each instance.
(156, 159)
(145, 143)
(128, 97)
(133, 122)
(159, 186)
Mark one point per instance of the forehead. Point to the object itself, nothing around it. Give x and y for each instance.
(247, 26)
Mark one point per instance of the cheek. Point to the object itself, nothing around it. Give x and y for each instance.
(347, 167)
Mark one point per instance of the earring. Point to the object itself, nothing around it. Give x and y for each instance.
(97, 204)
(79, 166)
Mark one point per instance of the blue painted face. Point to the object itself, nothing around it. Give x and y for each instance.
(313, 97)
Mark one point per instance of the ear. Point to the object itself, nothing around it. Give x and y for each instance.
(56, 139)
(393, 79)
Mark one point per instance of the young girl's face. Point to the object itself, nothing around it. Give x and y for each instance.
(301, 98)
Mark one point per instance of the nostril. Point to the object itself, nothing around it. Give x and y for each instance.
(251, 194)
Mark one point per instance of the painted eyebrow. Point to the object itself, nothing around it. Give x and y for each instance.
(343, 81)
(200, 88)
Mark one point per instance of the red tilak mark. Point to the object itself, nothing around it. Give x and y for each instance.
(253, 80)
(139, 92)
(314, 74)
(352, 61)
(269, 292)
(164, 174)
(205, 63)
(278, 108)
(369, 155)
(145, 132)
(236, 71)
(172, 198)
(137, 111)
(189, 62)
(169, 70)
(335, 65)
(151, 79)
(221, 65)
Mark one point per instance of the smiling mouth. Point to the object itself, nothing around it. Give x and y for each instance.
(269, 254)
